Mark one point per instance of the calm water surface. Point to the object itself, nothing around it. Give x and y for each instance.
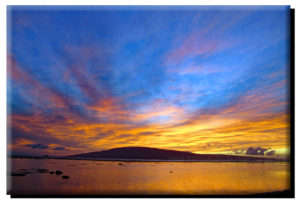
(106, 177)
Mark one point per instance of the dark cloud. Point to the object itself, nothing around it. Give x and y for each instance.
(256, 151)
(271, 153)
(59, 148)
(37, 146)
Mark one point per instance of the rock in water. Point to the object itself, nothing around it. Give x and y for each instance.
(58, 172)
(40, 170)
(65, 177)
(18, 174)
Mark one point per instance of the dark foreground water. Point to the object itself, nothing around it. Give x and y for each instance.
(106, 177)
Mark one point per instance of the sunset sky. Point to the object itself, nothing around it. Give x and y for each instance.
(199, 79)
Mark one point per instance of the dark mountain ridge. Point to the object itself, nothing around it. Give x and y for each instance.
(147, 154)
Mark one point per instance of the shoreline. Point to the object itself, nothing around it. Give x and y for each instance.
(154, 160)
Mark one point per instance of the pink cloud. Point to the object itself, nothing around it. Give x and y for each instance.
(195, 69)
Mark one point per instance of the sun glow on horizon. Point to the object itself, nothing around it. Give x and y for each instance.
(188, 80)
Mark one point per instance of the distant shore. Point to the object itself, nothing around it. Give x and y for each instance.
(147, 160)
(148, 154)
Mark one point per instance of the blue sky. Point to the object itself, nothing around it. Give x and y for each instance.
(118, 73)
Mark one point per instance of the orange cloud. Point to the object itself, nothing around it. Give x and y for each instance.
(250, 121)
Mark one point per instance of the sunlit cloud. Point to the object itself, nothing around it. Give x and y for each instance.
(192, 81)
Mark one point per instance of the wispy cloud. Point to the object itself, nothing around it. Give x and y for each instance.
(191, 80)
(37, 146)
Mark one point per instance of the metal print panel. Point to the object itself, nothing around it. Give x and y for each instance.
(149, 101)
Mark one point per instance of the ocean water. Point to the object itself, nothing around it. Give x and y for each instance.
(157, 178)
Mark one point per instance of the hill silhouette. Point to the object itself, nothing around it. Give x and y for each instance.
(146, 153)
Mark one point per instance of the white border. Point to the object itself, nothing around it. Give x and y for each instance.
(149, 2)
(4, 3)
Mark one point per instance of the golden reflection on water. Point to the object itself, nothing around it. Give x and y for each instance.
(95, 177)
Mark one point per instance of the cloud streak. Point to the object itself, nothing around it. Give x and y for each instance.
(192, 82)
(37, 146)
